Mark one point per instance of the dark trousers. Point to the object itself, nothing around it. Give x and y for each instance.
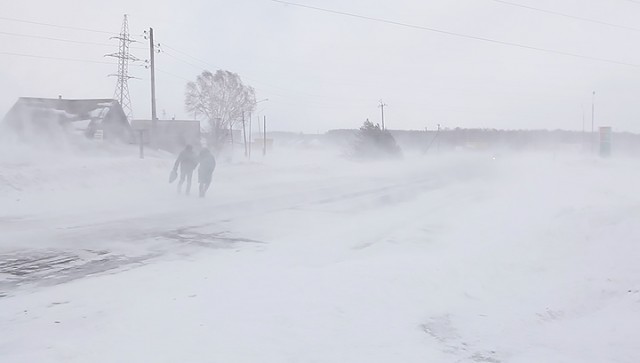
(204, 187)
(185, 175)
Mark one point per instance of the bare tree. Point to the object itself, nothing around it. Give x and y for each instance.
(222, 98)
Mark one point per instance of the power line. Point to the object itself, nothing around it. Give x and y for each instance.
(61, 39)
(259, 83)
(212, 66)
(172, 74)
(181, 60)
(195, 66)
(56, 58)
(187, 55)
(57, 26)
(55, 39)
(459, 35)
(595, 21)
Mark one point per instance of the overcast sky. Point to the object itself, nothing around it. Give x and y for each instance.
(323, 71)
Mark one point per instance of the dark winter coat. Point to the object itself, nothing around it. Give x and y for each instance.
(207, 166)
(187, 161)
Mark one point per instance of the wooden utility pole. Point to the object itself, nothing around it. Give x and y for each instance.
(593, 108)
(250, 135)
(152, 66)
(382, 105)
(259, 128)
(244, 136)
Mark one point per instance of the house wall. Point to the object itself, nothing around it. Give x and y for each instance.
(171, 135)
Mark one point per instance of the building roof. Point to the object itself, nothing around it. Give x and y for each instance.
(70, 110)
(86, 113)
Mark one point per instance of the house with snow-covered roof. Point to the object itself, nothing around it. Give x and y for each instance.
(93, 118)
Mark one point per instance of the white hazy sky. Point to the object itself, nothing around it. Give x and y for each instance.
(322, 71)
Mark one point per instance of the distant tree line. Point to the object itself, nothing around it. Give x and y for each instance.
(497, 140)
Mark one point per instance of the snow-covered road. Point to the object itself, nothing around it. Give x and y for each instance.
(311, 258)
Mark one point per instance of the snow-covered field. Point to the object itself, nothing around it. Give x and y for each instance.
(307, 257)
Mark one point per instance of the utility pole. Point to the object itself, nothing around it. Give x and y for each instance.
(152, 66)
(250, 135)
(231, 136)
(438, 139)
(244, 136)
(123, 56)
(259, 127)
(257, 114)
(583, 128)
(593, 108)
(382, 105)
(264, 147)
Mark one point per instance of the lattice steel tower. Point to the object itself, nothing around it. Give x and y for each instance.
(121, 93)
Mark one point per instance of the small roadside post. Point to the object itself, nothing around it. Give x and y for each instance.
(141, 134)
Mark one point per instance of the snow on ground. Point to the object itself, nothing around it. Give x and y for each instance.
(307, 257)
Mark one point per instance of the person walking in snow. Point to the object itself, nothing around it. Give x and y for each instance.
(205, 171)
(187, 161)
